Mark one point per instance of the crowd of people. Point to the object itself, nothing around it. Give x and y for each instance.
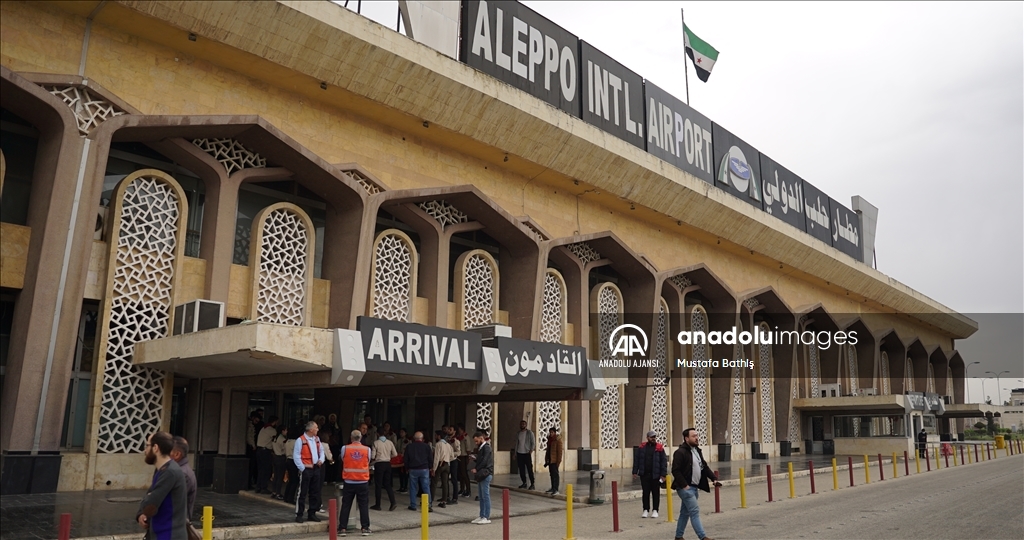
(292, 463)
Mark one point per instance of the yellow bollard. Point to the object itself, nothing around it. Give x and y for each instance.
(1006, 448)
(895, 472)
(835, 477)
(668, 493)
(207, 523)
(937, 466)
(743, 490)
(568, 513)
(867, 470)
(792, 488)
(917, 460)
(424, 519)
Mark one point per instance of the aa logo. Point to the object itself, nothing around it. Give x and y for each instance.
(625, 340)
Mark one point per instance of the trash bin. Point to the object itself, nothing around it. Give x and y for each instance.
(828, 447)
(1000, 442)
(785, 448)
(724, 452)
(596, 487)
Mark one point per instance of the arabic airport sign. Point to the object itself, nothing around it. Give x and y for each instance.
(845, 230)
(613, 96)
(512, 42)
(738, 167)
(678, 134)
(817, 221)
(783, 192)
(539, 363)
(415, 349)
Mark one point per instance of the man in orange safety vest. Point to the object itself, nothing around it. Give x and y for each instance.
(355, 475)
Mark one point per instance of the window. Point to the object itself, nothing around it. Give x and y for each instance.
(18, 141)
(76, 410)
(869, 426)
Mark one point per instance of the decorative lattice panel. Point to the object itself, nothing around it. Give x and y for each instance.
(553, 306)
(751, 303)
(909, 384)
(794, 415)
(609, 307)
(659, 392)
(231, 154)
(931, 379)
(701, 403)
(583, 252)
(680, 281)
(483, 417)
(140, 304)
(549, 415)
(851, 357)
(243, 237)
(445, 213)
(815, 368)
(281, 288)
(535, 230)
(90, 110)
(392, 278)
(885, 374)
(478, 304)
(764, 372)
(371, 187)
(737, 403)
(610, 417)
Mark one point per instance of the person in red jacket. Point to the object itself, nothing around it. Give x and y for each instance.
(651, 464)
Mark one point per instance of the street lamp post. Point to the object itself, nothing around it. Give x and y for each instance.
(999, 393)
(966, 369)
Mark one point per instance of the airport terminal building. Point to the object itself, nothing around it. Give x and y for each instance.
(215, 207)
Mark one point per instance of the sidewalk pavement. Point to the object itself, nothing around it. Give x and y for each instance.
(755, 471)
(110, 515)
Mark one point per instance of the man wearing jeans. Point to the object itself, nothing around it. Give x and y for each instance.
(483, 472)
(418, 459)
(690, 472)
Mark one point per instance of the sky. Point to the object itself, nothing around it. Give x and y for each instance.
(917, 107)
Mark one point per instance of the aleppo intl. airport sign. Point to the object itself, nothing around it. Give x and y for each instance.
(515, 44)
(415, 349)
(539, 363)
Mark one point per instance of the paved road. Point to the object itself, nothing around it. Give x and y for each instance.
(983, 500)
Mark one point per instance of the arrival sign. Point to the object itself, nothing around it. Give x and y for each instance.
(415, 349)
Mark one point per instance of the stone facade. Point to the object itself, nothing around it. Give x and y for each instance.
(430, 139)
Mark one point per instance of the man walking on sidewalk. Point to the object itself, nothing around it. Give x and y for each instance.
(651, 465)
(525, 443)
(162, 511)
(440, 471)
(690, 472)
(383, 452)
(355, 477)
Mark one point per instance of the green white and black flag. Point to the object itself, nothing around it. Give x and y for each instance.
(701, 54)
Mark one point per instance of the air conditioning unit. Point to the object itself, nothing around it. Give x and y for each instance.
(198, 315)
(869, 391)
(831, 390)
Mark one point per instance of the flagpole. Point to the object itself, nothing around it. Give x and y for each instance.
(686, 73)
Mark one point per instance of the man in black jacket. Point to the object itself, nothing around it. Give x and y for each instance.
(418, 459)
(690, 472)
(483, 472)
(650, 464)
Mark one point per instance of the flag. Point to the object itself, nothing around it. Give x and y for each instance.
(701, 54)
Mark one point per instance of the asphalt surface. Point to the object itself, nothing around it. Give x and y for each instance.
(980, 501)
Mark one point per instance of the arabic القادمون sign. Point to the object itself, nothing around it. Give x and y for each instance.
(539, 363)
